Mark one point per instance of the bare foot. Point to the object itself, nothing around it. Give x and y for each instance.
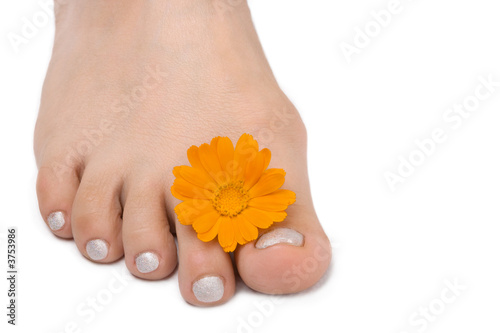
(131, 86)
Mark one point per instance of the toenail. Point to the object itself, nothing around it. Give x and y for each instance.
(208, 289)
(280, 236)
(146, 262)
(56, 220)
(97, 249)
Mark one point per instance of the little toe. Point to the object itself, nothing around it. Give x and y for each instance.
(56, 189)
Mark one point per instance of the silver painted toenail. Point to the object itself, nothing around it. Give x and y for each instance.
(147, 262)
(208, 289)
(56, 220)
(97, 249)
(280, 236)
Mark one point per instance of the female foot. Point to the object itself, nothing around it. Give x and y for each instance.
(131, 86)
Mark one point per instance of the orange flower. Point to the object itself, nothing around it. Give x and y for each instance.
(229, 192)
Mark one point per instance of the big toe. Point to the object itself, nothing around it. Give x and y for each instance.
(289, 257)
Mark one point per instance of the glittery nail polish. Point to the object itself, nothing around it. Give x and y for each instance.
(280, 236)
(209, 289)
(97, 249)
(146, 262)
(56, 220)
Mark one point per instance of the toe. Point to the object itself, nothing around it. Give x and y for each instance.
(150, 250)
(96, 215)
(289, 257)
(56, 189)
(206, 275)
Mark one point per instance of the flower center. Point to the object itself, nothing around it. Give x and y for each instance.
(230, 199)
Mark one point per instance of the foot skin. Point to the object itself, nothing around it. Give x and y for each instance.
(131, 86)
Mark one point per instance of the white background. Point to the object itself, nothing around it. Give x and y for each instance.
(393, 251)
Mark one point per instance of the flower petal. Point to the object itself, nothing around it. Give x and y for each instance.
(254, 170)
(206, 222)
(189, 190)
(238, 224)
(276, 216)
(257, 217)
(214, 142)
(209, 235)
(188, 211)
(238, 236)
(210, 162)
(269, 182)
(195, 176)
(177, 194)
(194, 157)
(267, 157)
(247, 229)
(226, 231)
(230, 248)
(276, 201)
(274, 171)
(246, 149)
(225, 151)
